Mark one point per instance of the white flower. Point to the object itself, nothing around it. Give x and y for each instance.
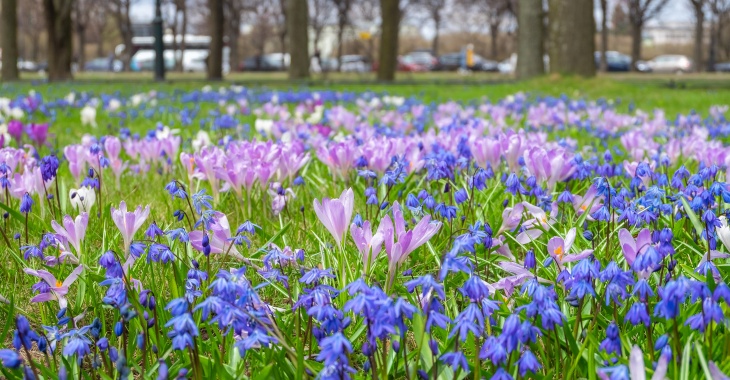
(71, 97)
(165, 132)
(201, 139)
(137, 99)
(114, 105)
(83, 198)
(17, 113)
(316, 116)
(264, 126)
(88, 116)
(723, 232)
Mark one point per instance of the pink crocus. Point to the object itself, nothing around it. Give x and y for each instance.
(590, 202)
(219, 237)
(113, 147)
(549, 165)
(407, 241)
(367, 243)
(129, 222)
(57, 289)
(539, 223)
(336, 213)
(73, 230)
(75, 155)
(558, 249)
(511, 218)
(519, 275)
(633, 247)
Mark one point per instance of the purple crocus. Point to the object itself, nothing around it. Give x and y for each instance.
(367, 243)
(129, 222)
(38, 133)
(57, 290)
(407, 241)
(73, 230)
(558, 248)
(336, 213)
(551, 166)
(15, 129)
(219, 237)
(633, 247)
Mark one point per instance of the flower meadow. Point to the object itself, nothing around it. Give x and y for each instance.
(245, 233)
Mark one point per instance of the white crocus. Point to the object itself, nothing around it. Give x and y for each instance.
(723, 232)
(114, 105)
(201, 139)
(264, 126)
(88, 116)
(82, 199)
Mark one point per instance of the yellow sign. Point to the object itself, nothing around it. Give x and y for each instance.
(365, 35)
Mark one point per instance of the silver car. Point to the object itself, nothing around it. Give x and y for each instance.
(670, 63)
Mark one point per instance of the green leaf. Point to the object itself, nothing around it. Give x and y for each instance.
(692, 217)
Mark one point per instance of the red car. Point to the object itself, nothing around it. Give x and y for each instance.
(405, 64)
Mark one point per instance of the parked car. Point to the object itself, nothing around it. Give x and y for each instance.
(722, 67)
(484, 65)
(615, 61)
(354, 64)
(408, 64)
(104, 64)
(267, 62)
(27, 66)
(670, 63)
(423, 58)
(448, 62)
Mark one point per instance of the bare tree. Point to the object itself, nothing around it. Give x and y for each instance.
(434, 9)
(119, 10)
(530, 31)
(342, 8)
(215, 54)
(320, 14)
(604, 35)
(698, 9)
(641, 11)
(572, 45)
(9, 43)
(84, 11)
(298, 25)
(280, 15)
(362, 14)
(59, 31)
(31, 26)
(390, 15)
(260, 14)
(719, 10)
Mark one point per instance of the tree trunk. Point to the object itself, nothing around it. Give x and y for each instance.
(712, 51)
(340, 33)
(234, 29)
(635, 44)
(184, 31)
(9, 35)
(298, 27)
(215, 55)
(572, 43)
(388, 57)
(604, 35)
(100, 46)
(493, 36)
(529, 39)
(59, 30)
(81, 34)
(436, 35)
(699, 34)
(36, 46)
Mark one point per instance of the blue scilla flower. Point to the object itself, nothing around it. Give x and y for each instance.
(612, 343)
(638, 314)
(528, 363)
(26, 203)
(10, 358)
(175, 190)
(316, 275)
(183, 327)
(469, 320)
(334, 348)
(455, 360)
(494, 351)
(201, 200)
(461, 196)
(178, 234)
(153, 231)
(160, 253)
(78, 343)
(49, 167)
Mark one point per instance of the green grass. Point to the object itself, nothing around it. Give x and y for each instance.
(673, 93)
